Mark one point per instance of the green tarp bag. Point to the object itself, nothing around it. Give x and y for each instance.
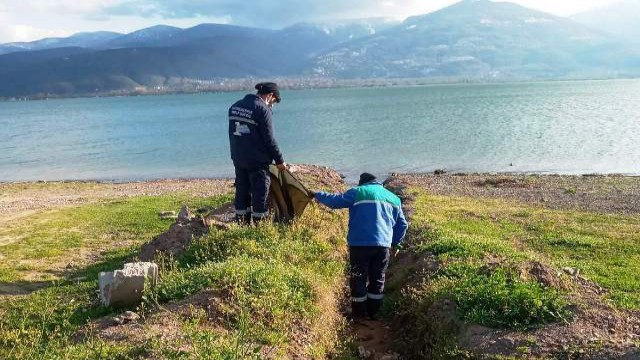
(288, 197)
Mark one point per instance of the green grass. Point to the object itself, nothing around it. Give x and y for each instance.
(43, 244)
(276, 283)
(281, 275)
(606, 248)
(279, 286)
(482, 244)
(498, 299)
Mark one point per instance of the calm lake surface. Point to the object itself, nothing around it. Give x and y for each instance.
(548, 127)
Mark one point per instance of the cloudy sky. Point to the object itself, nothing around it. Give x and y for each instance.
(27, 20)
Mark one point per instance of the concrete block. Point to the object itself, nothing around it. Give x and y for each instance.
(121, 288)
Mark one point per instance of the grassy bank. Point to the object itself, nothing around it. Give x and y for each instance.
(494, 268)
(605, 248)
(40, 248)
(270, 291)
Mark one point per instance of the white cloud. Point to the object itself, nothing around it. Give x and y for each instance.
(17, 31)
(22, 32)
(24, 20)
(28, 33)
(563, 7)
(65, 7)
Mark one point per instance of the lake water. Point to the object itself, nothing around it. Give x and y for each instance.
(547, 127)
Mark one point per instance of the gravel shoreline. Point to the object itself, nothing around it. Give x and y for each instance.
(21, 199)
(607, 194)
(614, 194)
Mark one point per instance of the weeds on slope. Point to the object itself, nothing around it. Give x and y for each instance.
(285, 280)
(479, 248)
(279, 286)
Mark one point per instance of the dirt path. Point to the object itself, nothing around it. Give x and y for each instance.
(374, 340)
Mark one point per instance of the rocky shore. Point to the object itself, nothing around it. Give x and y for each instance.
(603, 194)
(613, 194)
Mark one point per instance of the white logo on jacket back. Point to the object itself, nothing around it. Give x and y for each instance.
(241, 129)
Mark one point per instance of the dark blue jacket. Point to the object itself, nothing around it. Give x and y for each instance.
(251, 136)
(375, 215)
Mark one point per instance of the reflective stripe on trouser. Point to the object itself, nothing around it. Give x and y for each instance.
(262, 215)
(367, 276)
(359, 299)
(243, 212)
(252, 189)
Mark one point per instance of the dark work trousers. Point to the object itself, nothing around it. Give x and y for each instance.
(252, 190)
(368, 267)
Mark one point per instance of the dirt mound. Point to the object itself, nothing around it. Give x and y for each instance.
(177, 239)
(543, 274)
(224, 214)
(409, 267)
(164, 324)
(318, 177)
(400, 185)
(188, 226)
(596, 331)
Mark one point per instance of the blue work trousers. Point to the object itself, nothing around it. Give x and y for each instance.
(368, 265)
(252, 191)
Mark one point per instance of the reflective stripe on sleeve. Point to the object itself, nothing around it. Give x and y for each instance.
(373, 202)
(237, 118)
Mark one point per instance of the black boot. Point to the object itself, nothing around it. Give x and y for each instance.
(358, 310)
(373, 307)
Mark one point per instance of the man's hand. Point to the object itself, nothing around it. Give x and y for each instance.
(282, 167)
(312, 193)
(395, 251)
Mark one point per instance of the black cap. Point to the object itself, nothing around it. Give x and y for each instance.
(366, 178)
(269, 88)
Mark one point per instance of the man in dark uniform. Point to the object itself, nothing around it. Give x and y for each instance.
(253, 149)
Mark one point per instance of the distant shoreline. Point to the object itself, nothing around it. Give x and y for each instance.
(134, 181)
(601, 193)
(237, 85)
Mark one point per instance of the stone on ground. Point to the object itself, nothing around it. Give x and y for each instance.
(122, 288)
(125, 318)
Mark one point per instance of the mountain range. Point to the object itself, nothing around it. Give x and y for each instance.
(472, 39)
(481, 39)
